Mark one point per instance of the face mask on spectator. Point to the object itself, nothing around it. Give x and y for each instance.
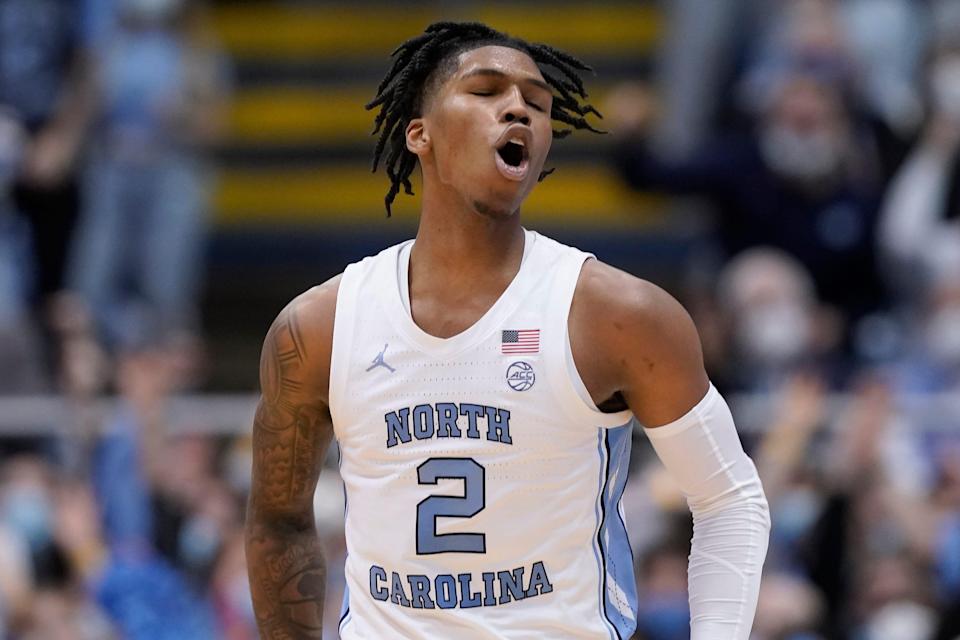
(945, 86)
(26, 510)
(804, 157)
(942, 335)
(774, 333)
(199, 542)
(794, 513)
(901, 620)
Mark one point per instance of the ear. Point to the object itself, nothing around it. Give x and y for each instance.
(418, 140)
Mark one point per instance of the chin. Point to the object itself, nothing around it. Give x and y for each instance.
(500, 203)
(495, 211)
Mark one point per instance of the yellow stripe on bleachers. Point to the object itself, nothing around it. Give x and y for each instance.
(585, 194)
(265, 31)
(300, 115)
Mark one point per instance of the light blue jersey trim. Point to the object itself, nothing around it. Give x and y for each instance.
(621, 586)
(597, 552)
(618, 583)
(345, 613)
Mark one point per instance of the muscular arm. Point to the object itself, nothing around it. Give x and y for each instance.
(646, 355)
(291, 432)
(642, 352)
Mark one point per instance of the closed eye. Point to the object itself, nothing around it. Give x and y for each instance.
(535, 106)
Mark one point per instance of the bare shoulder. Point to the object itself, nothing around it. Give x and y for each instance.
(299, 343)
(644, 342)
(607, 291)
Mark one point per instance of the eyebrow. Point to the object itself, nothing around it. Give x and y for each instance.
(496, 73)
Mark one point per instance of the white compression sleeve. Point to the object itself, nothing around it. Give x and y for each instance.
(731, 520)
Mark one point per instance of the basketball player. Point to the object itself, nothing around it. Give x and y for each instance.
(481, 382)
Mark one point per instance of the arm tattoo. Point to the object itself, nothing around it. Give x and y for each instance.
(291, 431)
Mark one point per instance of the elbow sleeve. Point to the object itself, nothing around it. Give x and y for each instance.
(731, 520)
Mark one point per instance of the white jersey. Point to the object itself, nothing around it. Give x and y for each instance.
(482, 484)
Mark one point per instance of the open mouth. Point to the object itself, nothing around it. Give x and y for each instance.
(512, 159)
(512, 154)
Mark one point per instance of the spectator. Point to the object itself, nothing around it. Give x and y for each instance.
(923, 200)
(790, 479)
(874, 45)
(46, 86)
(932, 359)
(138, 587)
(806, 176)
(19, 342)
(776, 324)
(140, 246)
(892, 594)
(801, 183)
(27, 486)
(144, 597)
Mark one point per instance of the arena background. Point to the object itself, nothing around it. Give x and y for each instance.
(172, 173)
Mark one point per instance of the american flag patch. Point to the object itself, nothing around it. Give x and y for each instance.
(520, 341)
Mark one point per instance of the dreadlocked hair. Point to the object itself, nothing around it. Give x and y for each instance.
(417, 65)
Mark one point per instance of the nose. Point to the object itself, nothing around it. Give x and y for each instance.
(516, 109)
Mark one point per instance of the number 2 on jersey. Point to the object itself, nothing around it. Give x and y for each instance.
(442, 506)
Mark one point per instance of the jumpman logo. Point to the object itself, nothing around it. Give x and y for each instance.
(380, 362)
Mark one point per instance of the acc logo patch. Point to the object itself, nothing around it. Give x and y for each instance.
(520, 376)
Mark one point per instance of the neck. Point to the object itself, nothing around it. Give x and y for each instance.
(458, 245)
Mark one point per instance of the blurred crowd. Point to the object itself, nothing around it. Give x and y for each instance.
(120, 529)
(108, 111)
(815, 144)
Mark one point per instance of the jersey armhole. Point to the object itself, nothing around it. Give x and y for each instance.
(343, 329)
(566, 382)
